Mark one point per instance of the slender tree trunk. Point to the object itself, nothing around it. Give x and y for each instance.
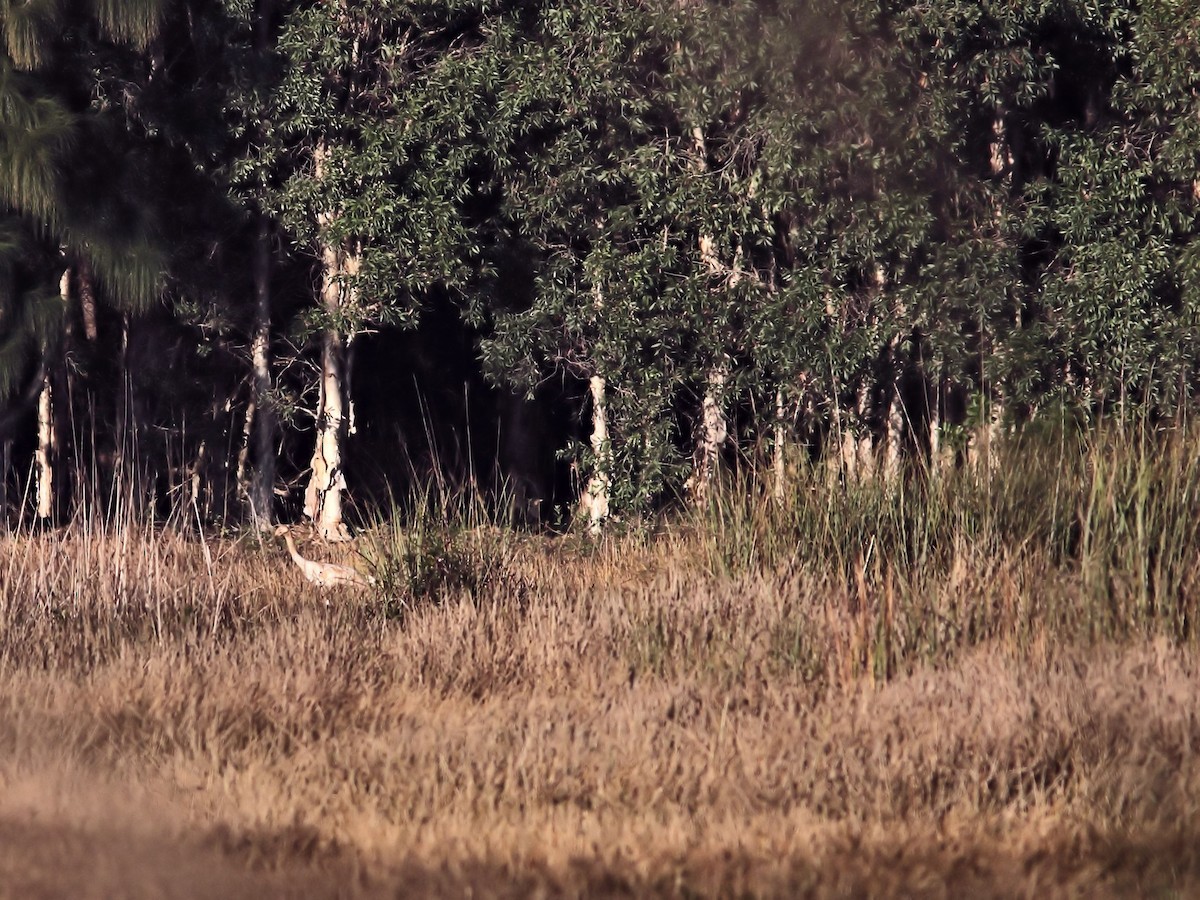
(125, 474)
(87, 298)
(714, 427)
(197, 495)
(989, 429)
(87, 486)
(713, 430)
(894, 415)
(323, 496)
(44, 455)
(245, 468)
(256, 462)
(47, 428)
(936, 387)
(857, 451)
(351, 265)
(256, 466)
(894, 454)
(896, 420)
(594, 504)
(778, 460)
(712, 435)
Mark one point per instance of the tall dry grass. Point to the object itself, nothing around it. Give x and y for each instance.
(982, 684)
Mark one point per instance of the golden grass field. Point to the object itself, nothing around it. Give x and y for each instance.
(652, 714)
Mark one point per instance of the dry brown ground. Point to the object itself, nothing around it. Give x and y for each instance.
(616, 723)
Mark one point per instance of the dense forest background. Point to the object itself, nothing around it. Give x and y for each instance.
(260, 258)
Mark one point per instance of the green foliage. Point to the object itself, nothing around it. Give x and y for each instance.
(853, 206)
(958, 181)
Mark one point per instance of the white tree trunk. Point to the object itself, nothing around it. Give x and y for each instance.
(894, 422)
(857, 453)
(989, 429)
(44, 456)
(47, 435)
(594, 504)
(778, 461)
(713, 430)
(713, 433)
(323, 495)
(893, 460)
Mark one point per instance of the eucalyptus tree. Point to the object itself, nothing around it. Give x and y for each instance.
(861, 213)
(707, 201)
(1077, 117)
(825, 171)
(377, 171)
(1119, 213)
(597, 182)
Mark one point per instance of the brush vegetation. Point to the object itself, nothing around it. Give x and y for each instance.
(978, 682)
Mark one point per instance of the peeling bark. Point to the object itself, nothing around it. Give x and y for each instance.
(712, 435)
(323, 495)
(44, 455)
(594, 504)
(87, 299)
(713, 429)
(47, 429)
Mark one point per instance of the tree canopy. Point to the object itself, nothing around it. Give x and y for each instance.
(877, 229)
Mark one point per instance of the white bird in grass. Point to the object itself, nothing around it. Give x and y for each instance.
(323, 575)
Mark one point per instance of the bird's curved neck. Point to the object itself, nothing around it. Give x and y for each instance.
(291, 545)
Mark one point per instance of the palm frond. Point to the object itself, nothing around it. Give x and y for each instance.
(30, 27)
(131, 270)
(36, 132)
(134, 22)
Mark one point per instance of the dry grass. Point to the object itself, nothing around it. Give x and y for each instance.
(514, 716)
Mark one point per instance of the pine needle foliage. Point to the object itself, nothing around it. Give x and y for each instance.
(68, 170)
